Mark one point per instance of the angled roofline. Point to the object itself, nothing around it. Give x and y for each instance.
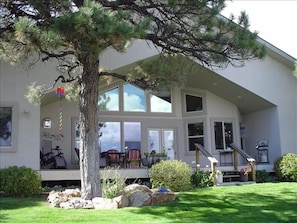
(278, 54)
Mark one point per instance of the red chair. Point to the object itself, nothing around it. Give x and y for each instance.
(133, 154)
(114, 157)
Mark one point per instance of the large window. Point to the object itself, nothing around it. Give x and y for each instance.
(161, 102)
(223, 132)
(195, 134)
(134, 99)
(110, 136)
(114, 135)
(130, 98)
(8, 121)
(132, 135)
(109, 100)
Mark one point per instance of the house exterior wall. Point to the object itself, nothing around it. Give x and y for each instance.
(269, 78)
(275, 82)
(260, 125)
(13, 86)
(216, 109)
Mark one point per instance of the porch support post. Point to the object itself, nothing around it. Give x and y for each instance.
(213, 172)
(235, 163)
(197, 157)
(253, 169)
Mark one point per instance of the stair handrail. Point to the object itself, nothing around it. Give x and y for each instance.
(210, 157)
(250, 160)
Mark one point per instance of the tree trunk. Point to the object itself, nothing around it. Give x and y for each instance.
(88, 107)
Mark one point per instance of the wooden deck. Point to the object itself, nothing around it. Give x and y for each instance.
(67, 174)
(126, 173)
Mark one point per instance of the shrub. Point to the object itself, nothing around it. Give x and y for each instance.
(172, 174)
(20, 181)
(112, 183)
(201, 179)
(285, 167)
(262, 176)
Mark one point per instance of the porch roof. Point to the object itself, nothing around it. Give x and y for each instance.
(203, 78)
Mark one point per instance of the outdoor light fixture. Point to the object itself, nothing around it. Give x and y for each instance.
(47, 123)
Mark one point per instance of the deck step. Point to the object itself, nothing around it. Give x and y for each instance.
(231, 176)
(235, 175)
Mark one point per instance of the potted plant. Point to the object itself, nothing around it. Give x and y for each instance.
(161, 156)
(244, 173)
(134, 163)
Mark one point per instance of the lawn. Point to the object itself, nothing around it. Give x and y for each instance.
(268, 202)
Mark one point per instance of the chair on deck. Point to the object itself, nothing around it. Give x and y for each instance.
(77, 152)
(133, 154)
(114, 157)
(47, 158)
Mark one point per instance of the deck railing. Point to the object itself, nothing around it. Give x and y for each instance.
(248, 158)
(211, 158)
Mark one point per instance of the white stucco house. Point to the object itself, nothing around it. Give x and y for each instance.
(253, 104)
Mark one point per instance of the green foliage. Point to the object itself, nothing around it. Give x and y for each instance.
(201, 179)
(34, 94)
(97, 28)
(262, 176)
(285, 167)
(20, 181)
(112, 183)
(172, 174)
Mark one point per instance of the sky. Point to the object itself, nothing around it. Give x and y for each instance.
(274, 20)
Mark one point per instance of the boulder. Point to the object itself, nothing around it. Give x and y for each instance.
(104, 203)
(76, 203)
(139, 198)
(162, 197)
(134, 187)
(55, 198)
(122, 200)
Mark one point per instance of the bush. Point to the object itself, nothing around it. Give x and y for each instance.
(262, 176)
(201, 179)
(285, 167)
(172, 174)
(20, 181)
(112, 183)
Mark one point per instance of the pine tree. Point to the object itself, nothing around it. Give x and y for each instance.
(77, 32)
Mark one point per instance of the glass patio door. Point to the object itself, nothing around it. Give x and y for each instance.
(162, 140)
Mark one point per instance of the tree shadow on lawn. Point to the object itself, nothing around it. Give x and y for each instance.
(238, 207)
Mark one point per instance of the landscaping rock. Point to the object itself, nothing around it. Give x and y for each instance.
(104, 203)
(133, 195)
(162, 197)
(123, 200)
(139, 198)
(135, 187)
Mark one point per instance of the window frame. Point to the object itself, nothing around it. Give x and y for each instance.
(117, 86)
(14, 127)
(222, 120)
(195, 94)
(148, 111)
(204, 136)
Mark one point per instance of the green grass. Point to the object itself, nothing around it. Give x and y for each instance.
(268, 202)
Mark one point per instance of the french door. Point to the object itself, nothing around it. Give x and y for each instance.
(162, 140)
